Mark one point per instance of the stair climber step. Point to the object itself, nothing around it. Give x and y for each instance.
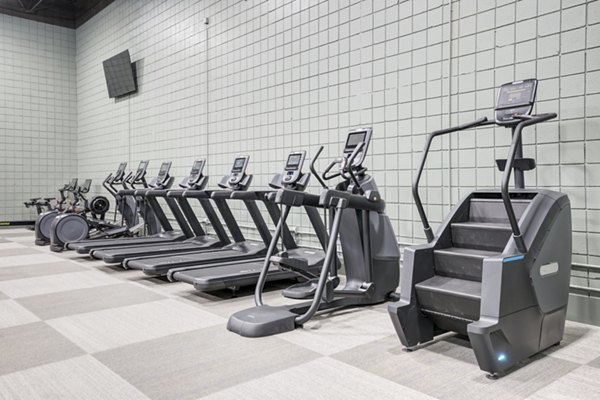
(450, 297)
(481, 235)
(493, 210)
(456, 262)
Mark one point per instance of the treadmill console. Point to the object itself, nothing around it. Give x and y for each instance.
(163, 173)
(196, 172)
(293, 166)
(515, 98)
(141, 170)
(120, 172)
(238, 171)
(354, 138)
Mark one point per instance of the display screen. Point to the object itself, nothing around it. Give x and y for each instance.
(238, 164)
(120, 171)
(515, 95)
(163, 169)
(293, 161)
(142, 167)
(354, 139)
(196, 168)
(119, 73)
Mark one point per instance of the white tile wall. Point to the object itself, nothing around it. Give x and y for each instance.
(37, 113)
(265, 77)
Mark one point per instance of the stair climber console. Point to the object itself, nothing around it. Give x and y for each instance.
(368, 244)
(498, 267)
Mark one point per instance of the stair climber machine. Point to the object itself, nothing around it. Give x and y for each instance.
(498, 268)
(235, 274)
(368, 243)
(77, 226)
(151, 213)
(183, 213)
(241, 249)
(44, 220)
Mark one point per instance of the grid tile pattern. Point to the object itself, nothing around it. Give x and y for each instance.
(143, 338)
(266, 77)
(37, 113)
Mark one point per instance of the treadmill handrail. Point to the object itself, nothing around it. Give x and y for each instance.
(158, 192)
(178, 193)
(419, 172)
(198, 194)
(142, 191)
(251, 195)
(221, 194)
(527, 120)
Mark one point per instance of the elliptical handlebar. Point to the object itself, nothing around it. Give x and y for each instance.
(314, 170)
(107, 184)
(348, 166)
(526, 120)
(419, 172)
(326, 176)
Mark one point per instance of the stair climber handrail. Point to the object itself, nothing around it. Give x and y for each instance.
(424, 154)
(527, 120)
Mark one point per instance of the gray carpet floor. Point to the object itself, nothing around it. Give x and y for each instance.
(72, 328)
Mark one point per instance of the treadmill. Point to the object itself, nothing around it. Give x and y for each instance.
(290, 184)
(155, 220)
(241, 248)
(200, 240)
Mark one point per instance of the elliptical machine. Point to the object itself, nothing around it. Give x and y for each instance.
(61, 203)
(368, 243)
(44, 220)
(74, 227)
(498, 268)
(44, 204)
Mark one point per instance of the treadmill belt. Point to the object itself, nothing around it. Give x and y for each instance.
(161, 265)
(118, 254)
(223, 276)
(84, 247)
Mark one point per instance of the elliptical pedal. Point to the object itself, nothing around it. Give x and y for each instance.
(307, 290)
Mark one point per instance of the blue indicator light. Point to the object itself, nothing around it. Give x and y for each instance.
(514, 258)
(501, 357)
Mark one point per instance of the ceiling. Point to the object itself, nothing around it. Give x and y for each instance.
(67, 13)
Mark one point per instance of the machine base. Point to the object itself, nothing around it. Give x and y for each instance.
(56, 248)
(262, 321)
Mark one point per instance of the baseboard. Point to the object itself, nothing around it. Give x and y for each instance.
(16, 223)
(584, 309)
